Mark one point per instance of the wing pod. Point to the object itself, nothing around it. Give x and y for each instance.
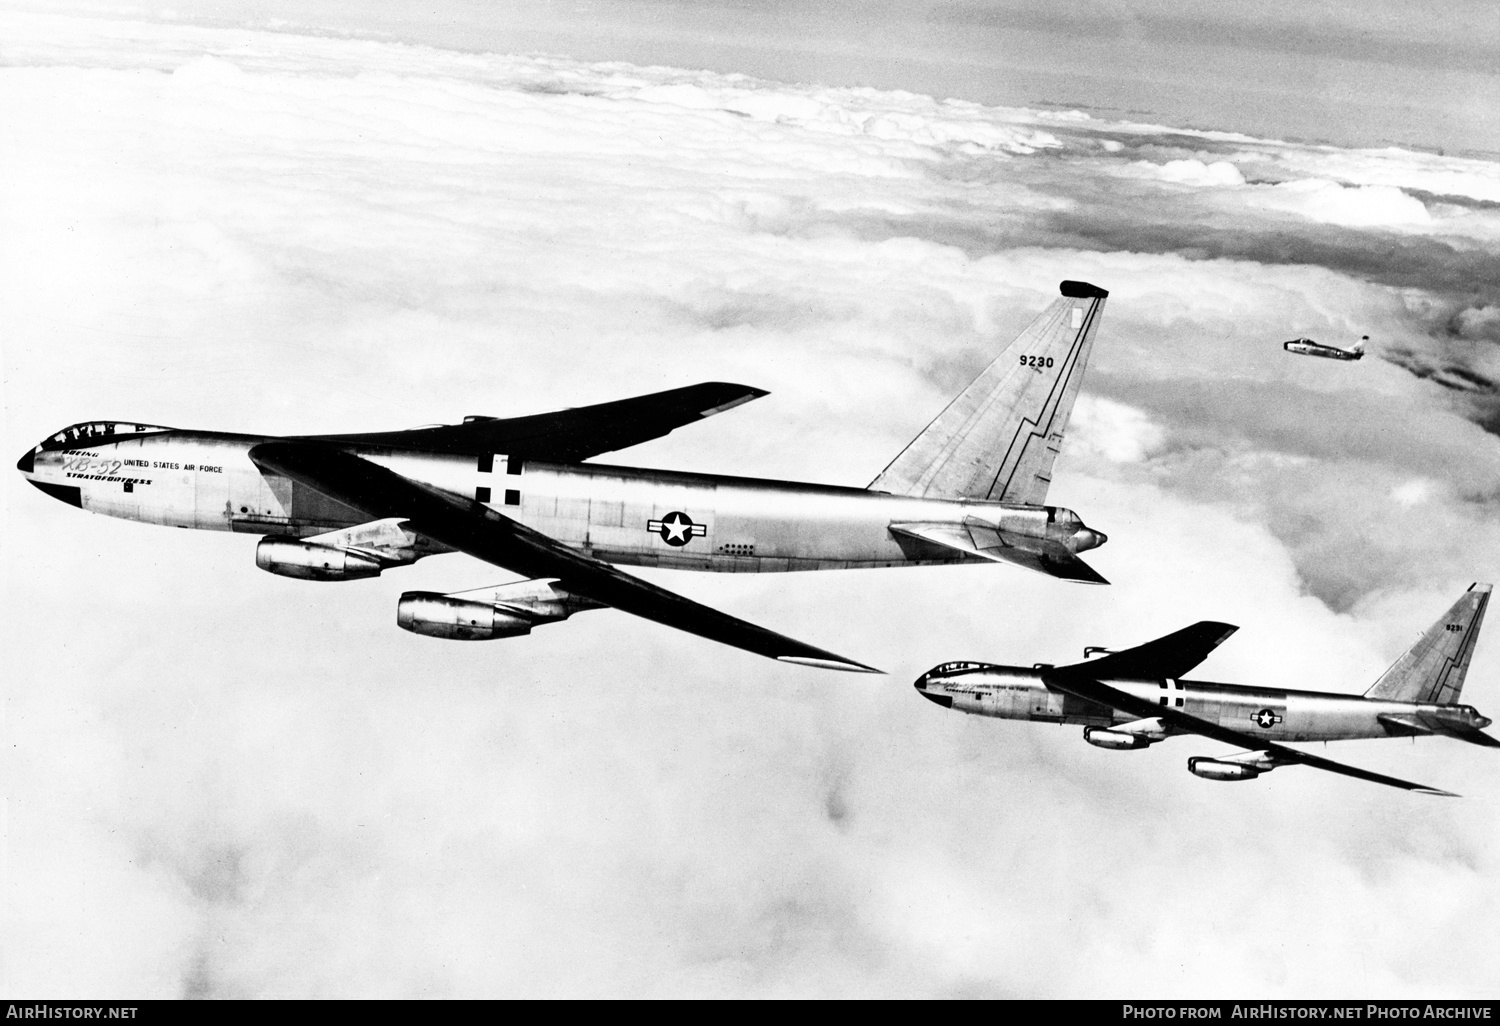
(1115, 740)
(311, 562)
(443, 616)
(1222, 769)
(349, 554)
(506, 611)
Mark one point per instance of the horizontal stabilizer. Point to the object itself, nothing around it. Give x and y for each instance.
(1474, 737)
(985, 542)
(1165, 658)
(1419, 723)
(1403, 726)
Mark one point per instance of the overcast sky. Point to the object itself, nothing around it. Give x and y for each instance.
(224, 783)
(1384, 71)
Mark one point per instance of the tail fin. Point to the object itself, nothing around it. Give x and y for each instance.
(1433, 669)
(998, 439)
(1359, 346)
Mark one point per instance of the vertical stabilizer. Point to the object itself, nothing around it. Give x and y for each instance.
(1433, 669)
(999, 438)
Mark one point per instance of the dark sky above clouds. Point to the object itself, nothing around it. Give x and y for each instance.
(222, 783)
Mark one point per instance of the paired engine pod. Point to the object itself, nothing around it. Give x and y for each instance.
(1115, 740)
(1217, 769)
(291, 558)
(440, 616)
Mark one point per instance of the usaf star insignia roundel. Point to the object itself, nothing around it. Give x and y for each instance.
(676, 528)
(1266, 719)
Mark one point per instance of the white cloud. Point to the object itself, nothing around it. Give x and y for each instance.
(1193, 172)
(1355, 206)
(1119, 433)
(1413, 492)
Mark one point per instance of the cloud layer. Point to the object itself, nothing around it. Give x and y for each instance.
(228, 784)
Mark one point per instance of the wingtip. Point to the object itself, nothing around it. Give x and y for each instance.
(744, 394)
(1081, 290)
(833, 663)
(1437, 791)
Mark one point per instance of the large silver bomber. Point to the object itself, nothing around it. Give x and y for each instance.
(970, 488)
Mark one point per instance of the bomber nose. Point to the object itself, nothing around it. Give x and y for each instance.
(27, 464)
(946, 701)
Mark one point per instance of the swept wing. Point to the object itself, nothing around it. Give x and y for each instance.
(567, 436)
(471, 527)
(1163, 659)
(1080, 680)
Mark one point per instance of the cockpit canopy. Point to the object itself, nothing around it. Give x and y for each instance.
(952, 669)
(93, 433)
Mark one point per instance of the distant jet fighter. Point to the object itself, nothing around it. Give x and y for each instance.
(1307, 347)
(1132, 698)
(969, 489)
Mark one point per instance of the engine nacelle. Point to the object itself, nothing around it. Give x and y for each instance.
(291, 558)
(1218, 769)
(1115, 740)
(442, 616)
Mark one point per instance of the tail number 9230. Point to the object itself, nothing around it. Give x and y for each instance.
(1036, 361)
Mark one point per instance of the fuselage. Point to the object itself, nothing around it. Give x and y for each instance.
(1019, 693)
(1307, 347)
(207, 481)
